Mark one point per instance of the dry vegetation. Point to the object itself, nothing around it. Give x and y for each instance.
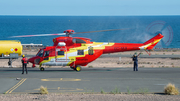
(43, 90)
(170, 89)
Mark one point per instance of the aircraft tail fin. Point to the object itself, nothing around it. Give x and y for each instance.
(148, 45)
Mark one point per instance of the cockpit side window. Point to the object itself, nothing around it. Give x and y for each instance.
(40, 53)
(46, 53)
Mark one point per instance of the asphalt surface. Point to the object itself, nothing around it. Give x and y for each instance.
(60, 80)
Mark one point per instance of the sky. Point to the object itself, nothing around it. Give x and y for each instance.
(90, 7)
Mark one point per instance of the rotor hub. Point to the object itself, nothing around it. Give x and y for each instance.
(69, 32)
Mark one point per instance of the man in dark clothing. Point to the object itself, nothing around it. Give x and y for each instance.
(135, 59)
(24, 64)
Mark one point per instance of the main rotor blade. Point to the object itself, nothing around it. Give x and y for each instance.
(38, 35)
(100, 31)
(66, 33)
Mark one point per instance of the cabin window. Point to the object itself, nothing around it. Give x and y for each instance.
(90, 51)
(60, 52)
(40, 53)
(80, 52)
(46, 53)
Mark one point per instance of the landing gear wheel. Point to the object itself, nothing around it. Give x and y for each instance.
(42, 68)
(78, 68)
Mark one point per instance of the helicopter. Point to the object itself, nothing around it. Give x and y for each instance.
(78, 51)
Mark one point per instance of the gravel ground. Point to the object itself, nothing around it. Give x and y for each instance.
(88, 97)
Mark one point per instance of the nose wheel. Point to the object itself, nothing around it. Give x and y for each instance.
(42, 69)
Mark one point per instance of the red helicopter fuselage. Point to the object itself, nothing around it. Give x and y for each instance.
(77, 51)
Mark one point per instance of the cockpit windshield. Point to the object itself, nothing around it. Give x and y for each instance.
(40, 53)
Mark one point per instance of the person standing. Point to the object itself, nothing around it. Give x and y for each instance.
(135, 59)
(24, 64)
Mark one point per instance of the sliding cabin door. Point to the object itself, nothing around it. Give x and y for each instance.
(61, 56)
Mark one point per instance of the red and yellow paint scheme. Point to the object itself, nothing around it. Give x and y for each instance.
(77, 51)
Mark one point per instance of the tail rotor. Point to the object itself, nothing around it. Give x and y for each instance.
(163, 28)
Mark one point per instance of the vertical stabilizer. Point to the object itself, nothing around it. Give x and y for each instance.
(152, 42)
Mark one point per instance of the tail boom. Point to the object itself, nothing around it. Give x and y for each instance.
(121, 47)
(148, 45)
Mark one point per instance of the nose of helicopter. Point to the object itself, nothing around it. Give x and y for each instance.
(31, 60)
(34, 60)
